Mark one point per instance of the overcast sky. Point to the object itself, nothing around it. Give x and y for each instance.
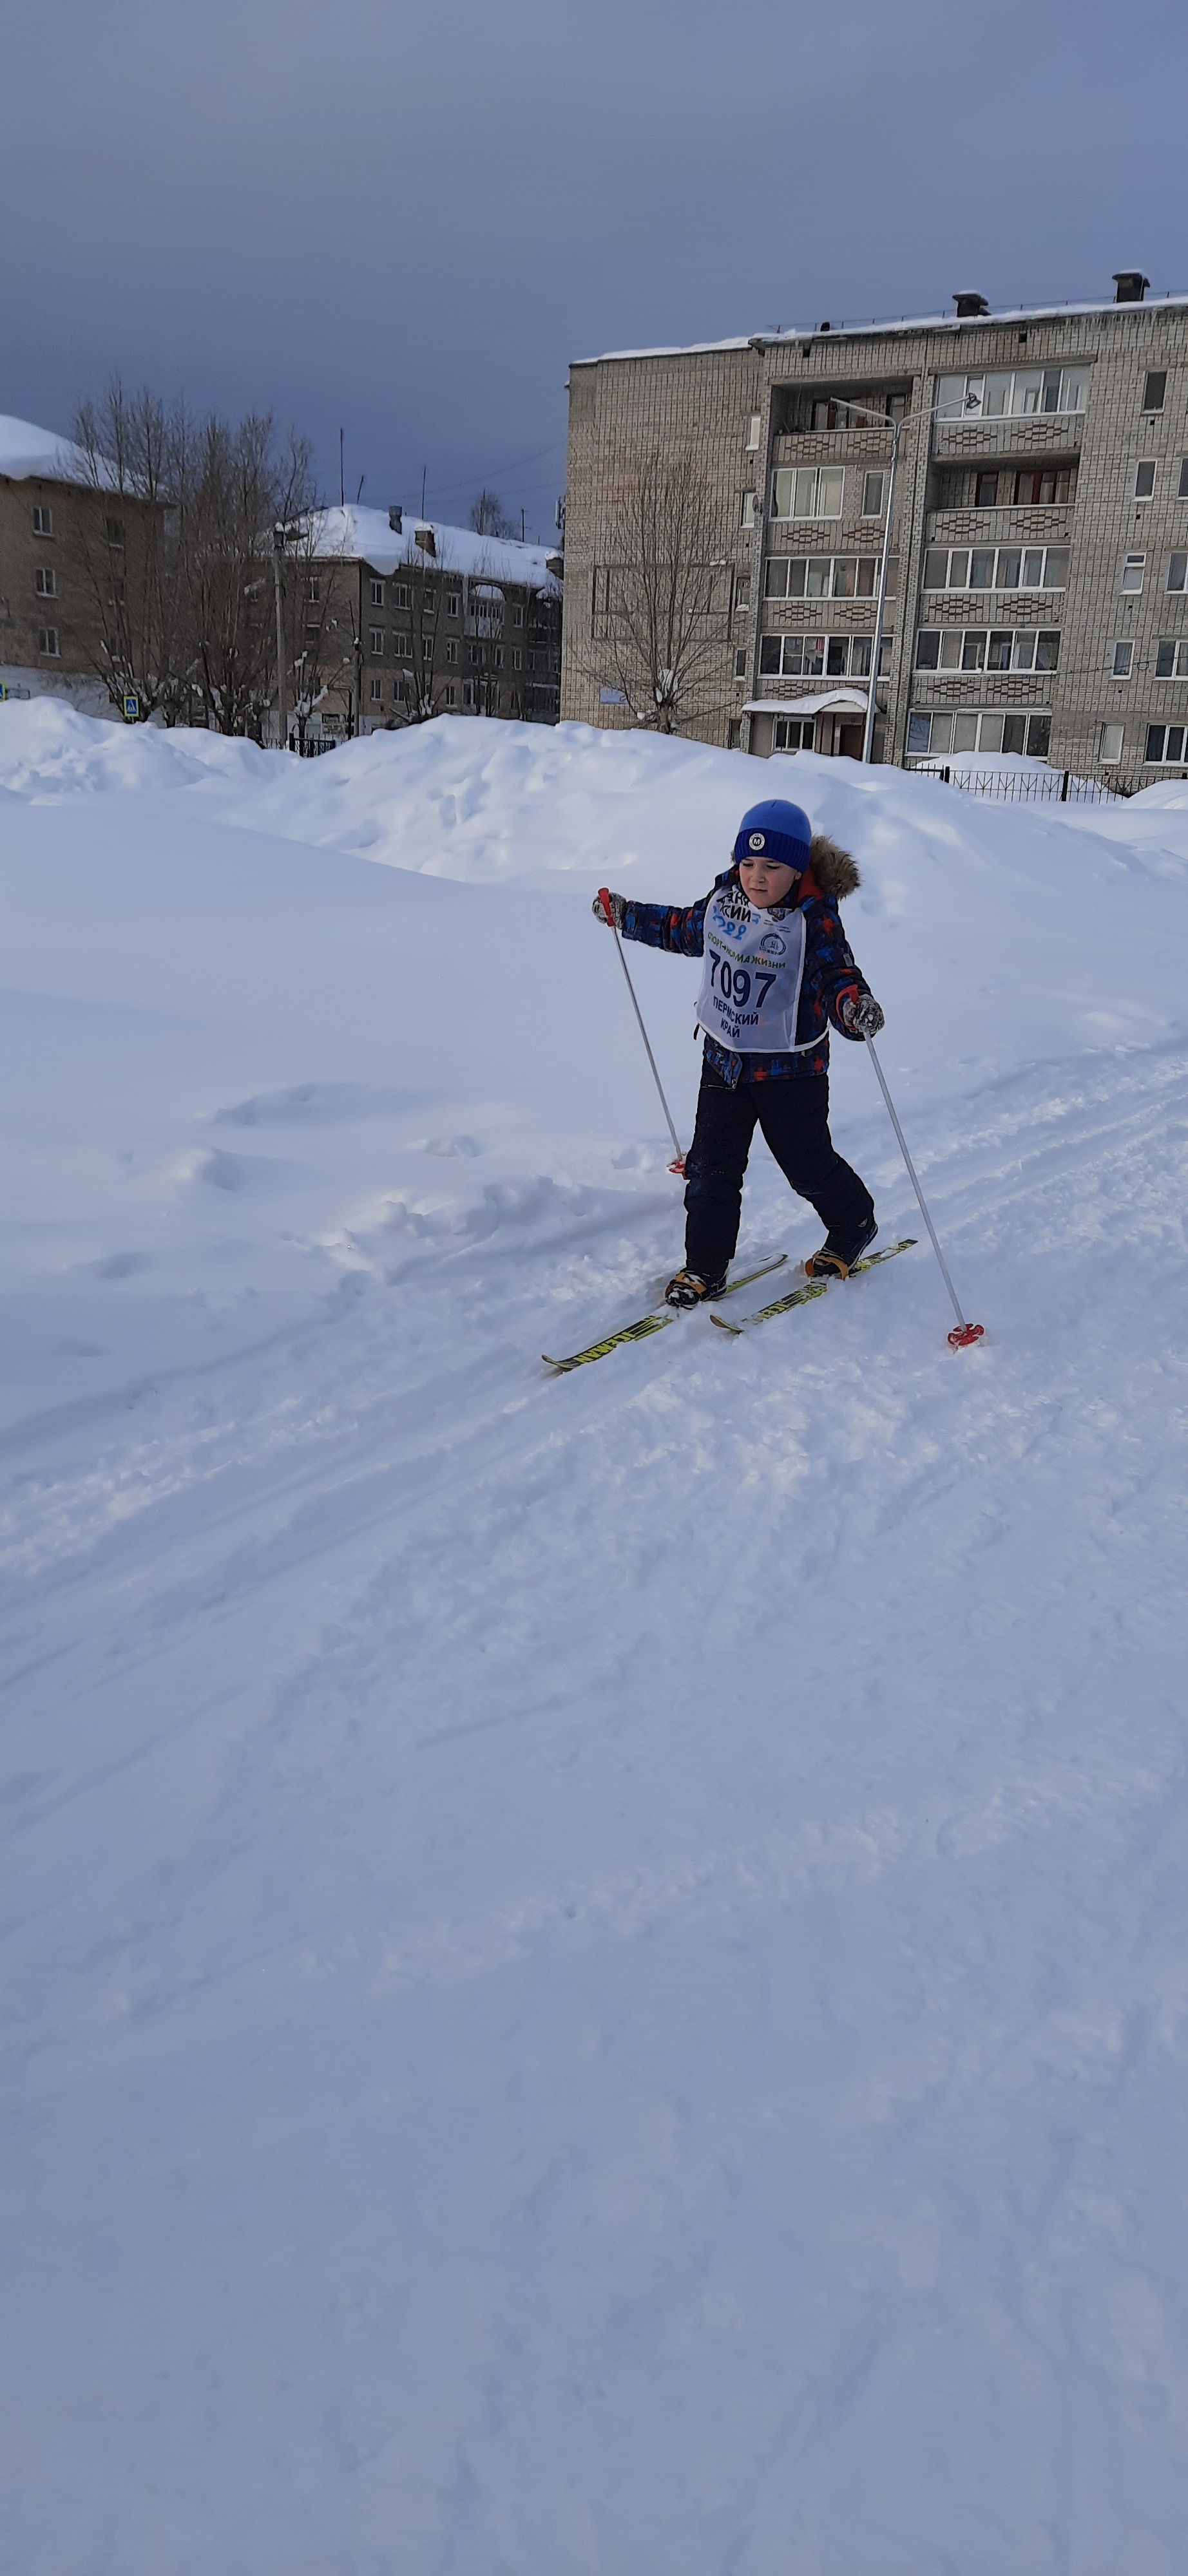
(408, 220)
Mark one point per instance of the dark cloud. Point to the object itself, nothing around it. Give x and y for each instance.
(408, 220)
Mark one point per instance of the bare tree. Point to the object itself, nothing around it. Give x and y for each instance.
(124, 547)
(488, 517)
(241, 486)
(661, 611)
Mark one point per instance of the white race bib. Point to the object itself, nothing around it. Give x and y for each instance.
(754, 968)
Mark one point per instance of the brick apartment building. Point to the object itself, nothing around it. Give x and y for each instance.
(49, 635)
(405, 614)
(1038, 571)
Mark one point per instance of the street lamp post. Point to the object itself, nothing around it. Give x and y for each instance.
(278, 551)
(885, 420)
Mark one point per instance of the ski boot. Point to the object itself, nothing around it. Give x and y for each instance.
(688, 1288)
(838, 1253)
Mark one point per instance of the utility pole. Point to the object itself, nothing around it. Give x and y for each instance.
(341, 475)
(278, 551)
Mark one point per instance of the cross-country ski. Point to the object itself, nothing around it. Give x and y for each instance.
(814, 1288)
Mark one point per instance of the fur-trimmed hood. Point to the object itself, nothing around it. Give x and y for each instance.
(835, 871)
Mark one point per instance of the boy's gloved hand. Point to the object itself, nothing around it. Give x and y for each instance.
(618, 905)
(860, 1013)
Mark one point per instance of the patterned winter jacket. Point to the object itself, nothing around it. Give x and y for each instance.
(829, 969)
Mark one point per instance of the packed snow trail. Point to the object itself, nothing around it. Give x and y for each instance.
(595, 1966)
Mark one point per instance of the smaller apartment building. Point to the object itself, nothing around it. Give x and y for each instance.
(406, 617)
(1038, 549)
(52, 525)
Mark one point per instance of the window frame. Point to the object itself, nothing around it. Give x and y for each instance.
(963, 636)
(795, 475)
(1107, 759)
(1154, 376)
(377, 689)
(1064, 373)
(49, 644)
(794, 563)
(980, 590)
(785, 724)
(45, 582)
(375, 640)
(1177, 647)
(1123, 645)
(1178, 555)
(43, 519)
(377, 591)
(1144, 465)
(1163, 758)
(980, 718)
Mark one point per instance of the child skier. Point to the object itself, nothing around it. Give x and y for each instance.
(777, 969)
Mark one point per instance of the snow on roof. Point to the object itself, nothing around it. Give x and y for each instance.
(359, 535)
(901, 324)
(26, 450)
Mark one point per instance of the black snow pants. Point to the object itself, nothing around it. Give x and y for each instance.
(793, 1115)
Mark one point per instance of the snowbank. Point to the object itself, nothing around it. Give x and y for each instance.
(595, 1966)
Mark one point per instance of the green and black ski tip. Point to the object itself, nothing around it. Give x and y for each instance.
(814, 1288)
(655, 1323)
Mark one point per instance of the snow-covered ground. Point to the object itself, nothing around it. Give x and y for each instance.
(597, 1969)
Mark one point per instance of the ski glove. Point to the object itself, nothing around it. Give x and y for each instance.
(618, 907)
(860, 1014)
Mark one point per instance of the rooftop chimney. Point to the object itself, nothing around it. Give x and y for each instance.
(969, 307)
(425, 538)
(396, 519)
(1130, 285)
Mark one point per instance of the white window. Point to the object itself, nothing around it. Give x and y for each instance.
(826, 577)
(47, 642)
(873, 489)
(964, 729)
(400, 594)
(1177, 569)
(1182, 494)
(377, 594)
(748, 510)
(1010, 392)
(377, 639)
(377, 688)
(468, 693)
(43, 520)
(517, 616)
(451, 606)
(451, 695)
(1171, 657)
(742, 591)
(807, 491)
(451, 648)
(1109, 744)
(997, 568)
(115, 532)
(740, 663)
(754, 428)
(1123, 658)
(517, 658)
(313, 590)
(1144, 479)
(793, 733)
(1131, 577)
(815, 657)
(987, 648)
(1154, 388)
(1166, 742)
(47, 586)
(402, 647)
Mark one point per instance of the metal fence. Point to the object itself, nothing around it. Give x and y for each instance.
(1041, 786)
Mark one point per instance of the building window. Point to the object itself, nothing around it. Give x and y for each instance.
(1131, 576)
(1171, 658)
(47, 642)
(1165, 742)
(451, 649)
(451, 695)
(377, 639)
(734, 733)
(742, 592)
(807, 491)
(498, 657)
(814, 657)
(43, 520)
(1014, 392)
(1003, 488)
(1177, 567)
(468, 693)
(517, 658)
(1109, 744)
(473, 653)
(1144, 479)
(740, 659)
(996, 567)
(377, 688)
(377, 594)
(874, 488)
(1154, 388)
(313, 590)
(47, 585)
(451, 606)
(748, 510)
(429, 600)
(402, 647)
(793, 733)
(1123, 658)
(518, 616)
(400, 596)
(935, 735)
(1182, 494)
(826, 577)
(115, 532)
(982, 648)
(754, 429)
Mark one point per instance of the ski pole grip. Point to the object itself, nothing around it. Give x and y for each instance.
(607, 906)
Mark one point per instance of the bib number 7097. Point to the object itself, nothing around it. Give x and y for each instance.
(734, 982)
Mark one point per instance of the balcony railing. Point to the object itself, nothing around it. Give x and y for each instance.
(1045, 433)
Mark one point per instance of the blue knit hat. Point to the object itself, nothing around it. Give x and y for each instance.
(775, 830)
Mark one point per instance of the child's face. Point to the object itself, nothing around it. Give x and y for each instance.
(765, 882)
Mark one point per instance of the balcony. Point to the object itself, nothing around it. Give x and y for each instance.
(1045, 433)
(866, 446)
(1049, 525)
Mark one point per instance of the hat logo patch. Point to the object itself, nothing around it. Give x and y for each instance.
(757, 841)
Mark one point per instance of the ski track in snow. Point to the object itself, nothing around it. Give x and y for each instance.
(596, 1968)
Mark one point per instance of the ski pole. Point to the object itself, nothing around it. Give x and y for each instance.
(678, 1164)
(963, 1334)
